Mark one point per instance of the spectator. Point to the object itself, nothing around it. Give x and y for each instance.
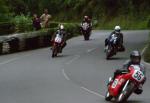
(45, 18)
(36, 22)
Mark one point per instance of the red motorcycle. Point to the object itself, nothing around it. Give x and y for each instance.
(124, 85)
(56, 48)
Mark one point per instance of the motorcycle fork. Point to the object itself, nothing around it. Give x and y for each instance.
(125, 85)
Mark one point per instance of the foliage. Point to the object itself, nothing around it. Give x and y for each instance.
(124, 22)
(23, 23)
(147, 52)
(3, 11)
(72, 8)
(106, 12)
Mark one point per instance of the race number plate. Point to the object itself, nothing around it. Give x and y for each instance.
(58, 40)
(138, 75)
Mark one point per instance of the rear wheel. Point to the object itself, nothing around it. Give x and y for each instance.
(108, 97)
(108, 53)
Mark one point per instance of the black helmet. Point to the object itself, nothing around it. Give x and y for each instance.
(135, 57)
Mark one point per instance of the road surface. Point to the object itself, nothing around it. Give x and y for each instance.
(79, 75)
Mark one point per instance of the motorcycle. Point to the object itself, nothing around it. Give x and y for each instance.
(111, 47)
(124, 85)
(85, 28)
(56, 48)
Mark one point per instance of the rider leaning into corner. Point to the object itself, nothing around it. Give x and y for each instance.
(86, 19)
(61, 32)
(119, 34)
(135, 59)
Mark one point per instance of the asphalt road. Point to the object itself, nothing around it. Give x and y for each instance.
(78, 75)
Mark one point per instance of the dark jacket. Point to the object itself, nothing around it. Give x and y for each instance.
(36, 23)
(120, 36)
(127, 64)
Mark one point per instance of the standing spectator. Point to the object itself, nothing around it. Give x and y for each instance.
(45, 18)
(36, 22)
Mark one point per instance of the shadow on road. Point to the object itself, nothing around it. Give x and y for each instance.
(118, 58)
(61, 56)
(134, 101)
(129, 101)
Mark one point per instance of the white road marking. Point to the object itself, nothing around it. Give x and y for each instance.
(143, 53)
(144, 49)
(65, 75)
(75, 58)
(14, 59)
(148, 64)
(93, 92)
(8, 61)
(90, 50)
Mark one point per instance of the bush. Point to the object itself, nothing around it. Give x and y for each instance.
(22, 23)
(148, 22)
(53, 24)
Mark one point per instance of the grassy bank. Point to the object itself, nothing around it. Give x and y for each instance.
(125, 23)
(147, 52)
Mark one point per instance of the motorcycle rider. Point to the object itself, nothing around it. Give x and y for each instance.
(116, 32)
(135, 59)
(61, 32)
(87, 20)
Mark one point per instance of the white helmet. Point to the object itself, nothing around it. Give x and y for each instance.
(61, 26)
(117, 28)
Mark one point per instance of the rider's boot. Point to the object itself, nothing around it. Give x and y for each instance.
(139, 90)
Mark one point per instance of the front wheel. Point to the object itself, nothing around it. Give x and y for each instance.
(54, 52)
(86, 35)
(124, 95)
(121, 98)
(108, 97)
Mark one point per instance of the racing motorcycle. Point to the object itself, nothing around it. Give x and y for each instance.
(56, 48)
(85, 28)
(111, 47)
(124, 85)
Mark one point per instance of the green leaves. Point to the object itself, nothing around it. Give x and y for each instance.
(23, 23)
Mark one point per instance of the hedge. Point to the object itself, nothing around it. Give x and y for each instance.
(33, 40)
(6, 28)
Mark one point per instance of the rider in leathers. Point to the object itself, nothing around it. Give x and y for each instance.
(62, 32)
(118, 33)
(87, 20)
(135, 59)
